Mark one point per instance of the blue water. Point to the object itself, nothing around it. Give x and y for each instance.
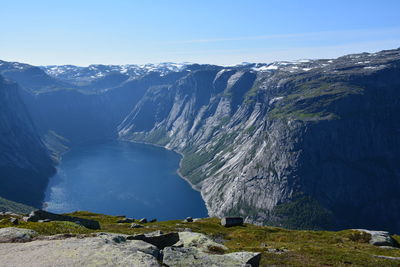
(121, 178)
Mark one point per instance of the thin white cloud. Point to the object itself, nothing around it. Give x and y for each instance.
(304, 35)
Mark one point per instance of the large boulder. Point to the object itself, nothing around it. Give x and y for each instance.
(37, 215)
(157, 238)
(12, 234)
(199, 241)
(101, 250)
(379, 238)
(232, 221)
(174, 256)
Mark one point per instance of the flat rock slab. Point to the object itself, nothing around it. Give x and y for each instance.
(379, 238)
(12, 234)
(157, 238)
(103, 250)
(174, 256)
(37, 215)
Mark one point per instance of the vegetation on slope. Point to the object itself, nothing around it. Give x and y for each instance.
(278, 246)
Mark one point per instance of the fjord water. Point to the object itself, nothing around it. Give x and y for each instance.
(122, 178)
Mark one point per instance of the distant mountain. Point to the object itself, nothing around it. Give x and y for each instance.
(311, 144)
(30, 77)
(84, 76)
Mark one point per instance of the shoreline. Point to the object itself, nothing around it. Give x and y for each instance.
(59, 159)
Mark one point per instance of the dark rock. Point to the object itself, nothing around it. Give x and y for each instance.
(37, 215)
(126, 220)
(157, 239)
(135, 225)
(153, 220)
(143, 220)
(232, 221)
(14, 221)
(188, 219)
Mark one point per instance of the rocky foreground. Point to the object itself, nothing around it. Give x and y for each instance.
(89, 239)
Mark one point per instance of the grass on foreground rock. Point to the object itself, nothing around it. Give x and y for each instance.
(278, 246)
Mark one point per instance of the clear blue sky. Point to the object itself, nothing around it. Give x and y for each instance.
(83, 32)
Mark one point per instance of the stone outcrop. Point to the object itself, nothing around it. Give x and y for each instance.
(380, 238)
(12, 234)
(41, 215)
(106, 249)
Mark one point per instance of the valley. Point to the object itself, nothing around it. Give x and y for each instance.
(309, 144)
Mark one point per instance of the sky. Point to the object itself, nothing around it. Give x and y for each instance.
(224, 32)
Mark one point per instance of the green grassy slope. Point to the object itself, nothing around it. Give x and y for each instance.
(290, 247)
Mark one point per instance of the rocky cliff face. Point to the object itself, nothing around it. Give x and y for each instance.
(310, 144)
(24, 161)
(83, 117)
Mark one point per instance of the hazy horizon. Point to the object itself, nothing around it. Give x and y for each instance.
(223, 33)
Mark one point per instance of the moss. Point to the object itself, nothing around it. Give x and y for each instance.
(312, 100)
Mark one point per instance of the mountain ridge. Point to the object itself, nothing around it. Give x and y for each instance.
(308, 144)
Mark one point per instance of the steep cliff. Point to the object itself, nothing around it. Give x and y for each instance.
(308, 144)
(25, 165)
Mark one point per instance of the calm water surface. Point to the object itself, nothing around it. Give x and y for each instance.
(121, 178)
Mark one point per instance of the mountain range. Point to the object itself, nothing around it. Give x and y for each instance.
(308, 144)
